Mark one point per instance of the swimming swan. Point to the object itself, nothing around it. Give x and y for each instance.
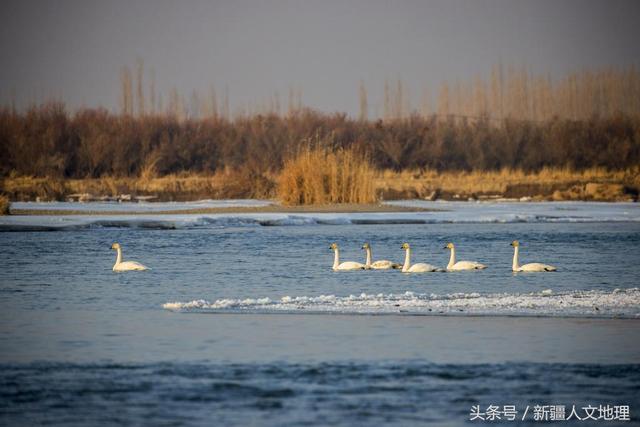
(377, 265)
(345, 266)
(461, 265)
(415, 268)
(126, 265)
(534, 266)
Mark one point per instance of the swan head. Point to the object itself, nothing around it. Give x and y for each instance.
(405, 246)
(334, 246)
(449, 246)
(515, 243)
(115, 246)
(366, 246)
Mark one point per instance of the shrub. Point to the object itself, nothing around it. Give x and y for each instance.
(319, 176)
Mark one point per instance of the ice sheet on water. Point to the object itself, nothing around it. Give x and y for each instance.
(441, 212)
(526, 211)
(593, 303)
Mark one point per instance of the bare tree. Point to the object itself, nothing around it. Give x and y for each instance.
(276, 103)
(140, 86)
(173, 108)
(387, 102)
(126, 97)
(399, 101)
(194, 107)
(364, 108)
(152, 92)
(425, 105)
(226, 110)
(213, 102)
(443, 101)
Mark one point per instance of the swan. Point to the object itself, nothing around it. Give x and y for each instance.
(377, 265)
(534, 266)
(126, 265)
(415, 268)
(345, 266)
(461, 265)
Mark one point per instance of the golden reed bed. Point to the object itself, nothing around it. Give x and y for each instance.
(317, 179)
(546, 184)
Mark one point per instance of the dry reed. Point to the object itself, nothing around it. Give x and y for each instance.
(5, 205)
(498, 182)
(319, 176)
(225, 184)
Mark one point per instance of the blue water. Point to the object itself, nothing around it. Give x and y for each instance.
(82, 345)
(347, 393)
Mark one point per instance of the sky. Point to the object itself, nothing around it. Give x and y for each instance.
(74, 50)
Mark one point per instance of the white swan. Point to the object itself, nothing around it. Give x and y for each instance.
(382, 264)
(534, 266)
(125, 265)
(461, 265)
(345, 266)
(415, 268)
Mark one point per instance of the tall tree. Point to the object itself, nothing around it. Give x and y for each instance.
(364, 107)
(140, 86)
(126, 97)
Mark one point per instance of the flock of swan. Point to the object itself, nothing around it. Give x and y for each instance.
(407, 267)
(384, 264)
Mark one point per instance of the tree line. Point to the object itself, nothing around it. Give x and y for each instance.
(507, 92)
(47, 140)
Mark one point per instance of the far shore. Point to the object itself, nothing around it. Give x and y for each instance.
(492, 186)
(547, 184)
(272, 208)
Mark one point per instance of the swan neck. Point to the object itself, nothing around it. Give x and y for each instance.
(407, 260)
(368, 262)
(119, 256)
(452, 258)
(516, 264)
(336, 258)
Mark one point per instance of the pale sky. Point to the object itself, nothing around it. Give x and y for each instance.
(74, 49)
